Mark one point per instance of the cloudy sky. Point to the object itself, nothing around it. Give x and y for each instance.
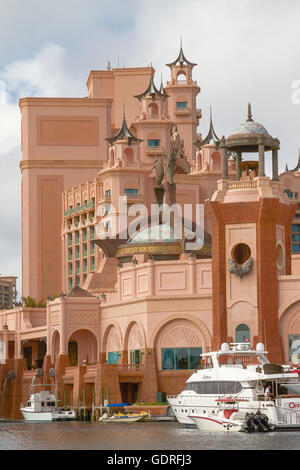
(246, 50)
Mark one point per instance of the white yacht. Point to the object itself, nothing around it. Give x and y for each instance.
(227, 392)
(42, 406)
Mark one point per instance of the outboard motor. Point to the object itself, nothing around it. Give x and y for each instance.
(264, 421)
(256, 422)
(249, 426)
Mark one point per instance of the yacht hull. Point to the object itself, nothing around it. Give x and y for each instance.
(216, 424)
(34, 416)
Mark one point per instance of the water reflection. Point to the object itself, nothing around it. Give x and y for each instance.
(18, 435)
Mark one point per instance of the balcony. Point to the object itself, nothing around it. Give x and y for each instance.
(155, 150)
(182, 111)
(130, 372)
(76, 210)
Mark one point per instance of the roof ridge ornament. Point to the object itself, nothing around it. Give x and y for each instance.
(211, 135)
(124, 133)
(249, 113)
(152, 90)
(181, 59)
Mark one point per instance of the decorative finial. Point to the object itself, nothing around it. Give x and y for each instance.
(123, 109)
(249, 113)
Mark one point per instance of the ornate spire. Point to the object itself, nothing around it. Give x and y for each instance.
(161, 88)
(249, 114)
(123, 134)
(181, 59)
(152, 90)
(210, 136)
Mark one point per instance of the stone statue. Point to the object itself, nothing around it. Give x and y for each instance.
(158, 167)
(239, 269)
(175, 149)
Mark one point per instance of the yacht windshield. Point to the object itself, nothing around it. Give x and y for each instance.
(214, 387)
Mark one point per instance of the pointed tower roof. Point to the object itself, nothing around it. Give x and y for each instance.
(124, 134)
(152, 90)
(161, 88)
(210, 136)
(181, 59)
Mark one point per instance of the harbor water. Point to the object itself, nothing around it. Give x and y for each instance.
(79, 435)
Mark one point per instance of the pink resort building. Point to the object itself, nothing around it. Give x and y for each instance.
(127, 318)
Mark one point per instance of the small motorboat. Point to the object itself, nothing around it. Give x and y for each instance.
(42, 406)
(123, 417)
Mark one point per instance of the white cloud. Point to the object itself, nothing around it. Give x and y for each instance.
(44, 74)
(246, 50)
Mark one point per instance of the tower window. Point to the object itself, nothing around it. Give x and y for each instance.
(131, 192)
(181, 105)
(241, 253)
(153, 142)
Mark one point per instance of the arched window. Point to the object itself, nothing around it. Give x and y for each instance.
(242, 334)
(129, 155)
(181, 77)
(153, 111)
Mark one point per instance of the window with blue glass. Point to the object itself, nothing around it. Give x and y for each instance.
(295, 248)
(131, 192)
(180, 358)
(153, 142)
(289, 193)
(107, 193)
(113, 357)
(181, 104)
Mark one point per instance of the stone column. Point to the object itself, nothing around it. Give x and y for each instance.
(261, 156)
(119, 284)
(62, 337)
(224, 158)
(192, 274)
(5, 338)
(49, 348)
(275, 164)
(238, 172)
(151, 277)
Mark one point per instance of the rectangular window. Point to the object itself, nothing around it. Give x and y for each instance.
(113, 357)
(131, 192)
(108, 193)
(84, 265)
(153, 142)
(295, 248)
(181, 105)
(136, 356)
(180, 358)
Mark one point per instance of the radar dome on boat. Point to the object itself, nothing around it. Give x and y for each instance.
(260, 347)
(225, 347)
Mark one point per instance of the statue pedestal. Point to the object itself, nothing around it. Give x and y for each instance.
(170, 190)
(159, 192)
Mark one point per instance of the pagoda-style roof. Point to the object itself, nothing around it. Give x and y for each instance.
(297, 167)
(181, 59)
(211, 136)
(152, 90)
(123, 134)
